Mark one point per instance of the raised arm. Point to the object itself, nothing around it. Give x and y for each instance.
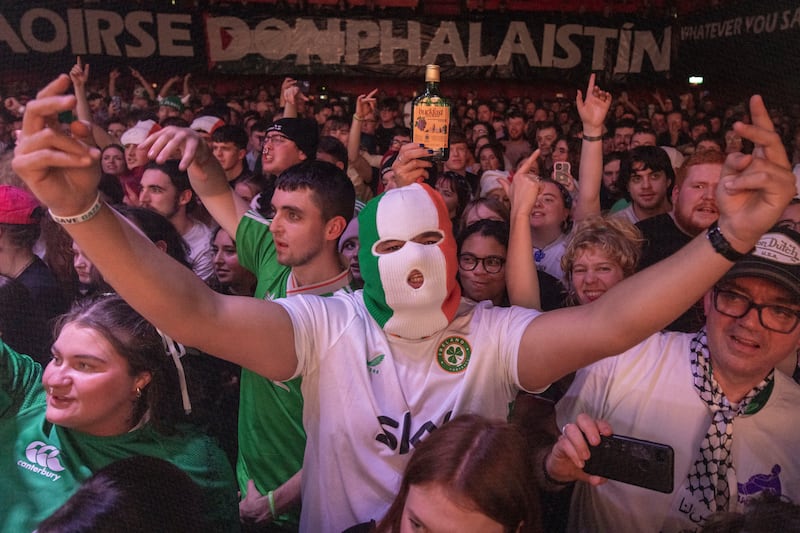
(752, 193)
(112, 82)
(63, 173)
(365, 105)
(147, 87)
(522, 280)
(79, 75)
(164, 92)
(592, 110)
(205, 173)
(290, 93)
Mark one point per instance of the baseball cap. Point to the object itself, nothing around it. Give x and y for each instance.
(776, 258)
(172, 101)
(18, 206)
(140, 132)
(303, 131)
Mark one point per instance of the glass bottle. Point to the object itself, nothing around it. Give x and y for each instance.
(430, 117)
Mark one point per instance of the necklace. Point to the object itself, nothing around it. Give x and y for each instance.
(23, 268)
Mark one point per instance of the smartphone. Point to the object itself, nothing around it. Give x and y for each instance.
(562, 173)
(305, 86)
(634, 461)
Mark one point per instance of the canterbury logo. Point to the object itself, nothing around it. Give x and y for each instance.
(44, 455)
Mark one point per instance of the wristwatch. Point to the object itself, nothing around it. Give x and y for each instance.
(721, 244)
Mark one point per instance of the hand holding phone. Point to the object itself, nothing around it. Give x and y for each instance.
(633, 461)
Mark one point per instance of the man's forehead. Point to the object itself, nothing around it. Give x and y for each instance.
(746, 284)
(299, 195)
(154, 176)
(705, 172)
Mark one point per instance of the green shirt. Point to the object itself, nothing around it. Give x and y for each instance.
(42, 464)
(271, 435)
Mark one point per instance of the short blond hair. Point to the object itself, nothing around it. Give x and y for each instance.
(617, 237)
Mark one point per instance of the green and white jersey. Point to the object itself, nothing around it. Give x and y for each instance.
(271, 435)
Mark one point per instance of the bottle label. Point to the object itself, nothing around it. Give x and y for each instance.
(431, 123)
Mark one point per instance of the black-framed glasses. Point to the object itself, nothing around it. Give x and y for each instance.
(777, 318)
(491, 263)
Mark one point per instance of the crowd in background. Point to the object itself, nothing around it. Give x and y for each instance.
(622, 182)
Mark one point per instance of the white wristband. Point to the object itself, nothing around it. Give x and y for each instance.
(83, 217)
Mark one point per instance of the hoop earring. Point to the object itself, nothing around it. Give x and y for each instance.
(138, 393)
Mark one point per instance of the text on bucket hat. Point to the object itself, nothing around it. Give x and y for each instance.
(17, 206)
(303, 131)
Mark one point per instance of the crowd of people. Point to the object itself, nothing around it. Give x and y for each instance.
(284, 297)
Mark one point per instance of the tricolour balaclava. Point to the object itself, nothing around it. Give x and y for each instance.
(403, 214)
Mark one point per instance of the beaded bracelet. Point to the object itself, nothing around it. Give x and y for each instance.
(83, 217)
(592, 138)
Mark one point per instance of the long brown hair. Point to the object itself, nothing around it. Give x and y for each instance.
(484, 462)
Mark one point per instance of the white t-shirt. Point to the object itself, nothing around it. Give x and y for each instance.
(369, 399)
(550, 262)
(648, 393)
(628, 214)
(199, 240)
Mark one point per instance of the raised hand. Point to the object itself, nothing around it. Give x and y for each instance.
(365, 104)
(167, 142)
(754, 189)
(136, 74)
(61, 170)
(594, 108)
(79, 74)
(409, 167)
(524, 189)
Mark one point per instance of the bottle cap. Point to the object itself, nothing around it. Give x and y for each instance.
(432, 73)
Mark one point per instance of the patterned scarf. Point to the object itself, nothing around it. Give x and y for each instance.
(709, 474)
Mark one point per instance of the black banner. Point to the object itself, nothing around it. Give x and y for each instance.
(555, 47)
(753, 44)
(489, 49)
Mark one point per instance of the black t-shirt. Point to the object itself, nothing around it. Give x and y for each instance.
(45, 290)
(662, 239)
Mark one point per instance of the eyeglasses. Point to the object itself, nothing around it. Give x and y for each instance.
(789, 224)
(276, 140)
(491, 264)
(773, 317)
